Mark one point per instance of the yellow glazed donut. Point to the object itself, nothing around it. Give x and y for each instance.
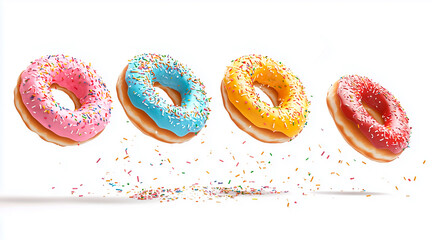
(279, 123)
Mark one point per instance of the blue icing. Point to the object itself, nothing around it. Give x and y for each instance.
(146, 69)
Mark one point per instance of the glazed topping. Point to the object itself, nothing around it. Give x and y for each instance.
(146, 69)
(289, 116)
(80, 124)
(394, 134)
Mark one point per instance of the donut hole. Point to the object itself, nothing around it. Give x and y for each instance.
(168, 94)
(374, 113)
(266, 94)
(66, 98)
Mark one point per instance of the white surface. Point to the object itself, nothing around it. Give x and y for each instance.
(388, 42)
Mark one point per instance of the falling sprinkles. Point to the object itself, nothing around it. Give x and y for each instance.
(236, 184)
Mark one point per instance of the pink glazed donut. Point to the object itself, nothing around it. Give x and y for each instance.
(47, 117)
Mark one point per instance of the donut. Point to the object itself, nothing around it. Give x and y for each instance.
(45, 116)
(279, 123)
(369, 118)
(152, 114)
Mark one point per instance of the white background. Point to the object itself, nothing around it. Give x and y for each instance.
(390, 42)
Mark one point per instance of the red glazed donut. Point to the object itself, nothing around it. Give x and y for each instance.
(369, 117)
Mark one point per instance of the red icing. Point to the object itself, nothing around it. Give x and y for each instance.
(394, 134)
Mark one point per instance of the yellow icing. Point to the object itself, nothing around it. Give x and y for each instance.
(289, 116)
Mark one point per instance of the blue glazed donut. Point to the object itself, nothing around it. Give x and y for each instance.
(140, 76)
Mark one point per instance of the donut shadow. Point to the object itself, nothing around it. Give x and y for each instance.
(350, 193)
(31, 200)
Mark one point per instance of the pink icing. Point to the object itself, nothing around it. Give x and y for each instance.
(72, 74)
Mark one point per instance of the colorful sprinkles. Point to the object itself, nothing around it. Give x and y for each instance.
(244, 178)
